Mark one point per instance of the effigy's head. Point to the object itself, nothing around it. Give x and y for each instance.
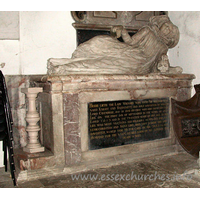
(168, 31)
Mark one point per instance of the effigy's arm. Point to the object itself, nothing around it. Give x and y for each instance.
(134, 40)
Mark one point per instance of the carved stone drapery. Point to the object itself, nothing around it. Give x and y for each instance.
(143, 53)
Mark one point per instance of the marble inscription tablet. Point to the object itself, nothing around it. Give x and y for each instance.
(115, 123)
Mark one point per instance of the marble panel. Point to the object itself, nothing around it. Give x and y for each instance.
(71, 129)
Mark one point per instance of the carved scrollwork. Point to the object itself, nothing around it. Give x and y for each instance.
(79, 16)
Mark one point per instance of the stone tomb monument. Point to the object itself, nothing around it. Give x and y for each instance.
(111, 102)
(111, 95)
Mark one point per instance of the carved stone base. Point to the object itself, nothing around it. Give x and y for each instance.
(33, 161)
(33, 150)
(70, 96)
(64, 117)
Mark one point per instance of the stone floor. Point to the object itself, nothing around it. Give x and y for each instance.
(169, 171)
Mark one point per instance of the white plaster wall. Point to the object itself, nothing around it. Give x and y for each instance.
(43, 34)
(9, 25)
(9, 56)
(187, 53)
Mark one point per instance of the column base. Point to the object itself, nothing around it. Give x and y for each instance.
(34, 150)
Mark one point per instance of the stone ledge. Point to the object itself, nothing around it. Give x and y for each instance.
(120, 159)
(134, 148)
(81, 83)
(89, 77)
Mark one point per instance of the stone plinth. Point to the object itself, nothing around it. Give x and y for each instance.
(34, 161)
(70, 96)
(64, 121)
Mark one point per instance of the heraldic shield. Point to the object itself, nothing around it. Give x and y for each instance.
(186, 122)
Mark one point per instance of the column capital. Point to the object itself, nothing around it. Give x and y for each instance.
(33, 90)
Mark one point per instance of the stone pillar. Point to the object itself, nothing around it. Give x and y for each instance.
(32, 117)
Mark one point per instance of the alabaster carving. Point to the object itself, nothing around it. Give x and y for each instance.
(143, 53)
(32, 117)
